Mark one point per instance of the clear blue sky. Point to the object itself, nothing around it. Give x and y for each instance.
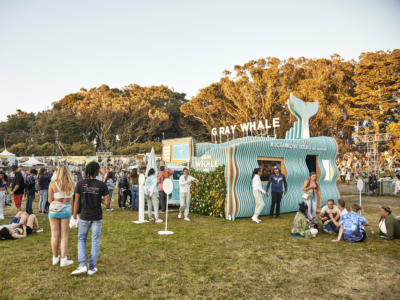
(49, 49)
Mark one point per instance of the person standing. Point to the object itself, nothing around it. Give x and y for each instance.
(3, 192)
(150, 190)
(31, 190)
(164, 173)
(43, 181)
(61, 191)
(372, 182)
(257, 193)
(277, 179)
(185, 181)
(111, 186)
(343, 174)
(311, 186)
(89, 194)
(135, 189)
(125, 190)
(17, 187)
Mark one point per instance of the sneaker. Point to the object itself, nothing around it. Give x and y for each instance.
(109, 209)
(331, 232)
(279, 217)
(179, 215)
(39, 230)
(271, 217)
(56, 260)
(91, 272)
(151, 219)
(255, 219)
(186, 219)
(326, 230)
(65, 262)
(258, 220)
(80, 271)
(159, 221)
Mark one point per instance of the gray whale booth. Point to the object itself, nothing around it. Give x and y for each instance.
(296, 155)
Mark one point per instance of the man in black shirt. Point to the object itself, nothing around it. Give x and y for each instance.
(17, 187)
(89, 195)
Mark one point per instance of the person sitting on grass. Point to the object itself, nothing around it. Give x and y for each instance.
(341, 206)
(351, 226)
(389, 226)
(324, 215)
(20, 231)
(300, 226)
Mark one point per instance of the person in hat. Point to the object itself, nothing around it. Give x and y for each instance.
(278, 180)
(17, 187)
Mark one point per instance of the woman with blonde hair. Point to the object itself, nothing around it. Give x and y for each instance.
(61, 191)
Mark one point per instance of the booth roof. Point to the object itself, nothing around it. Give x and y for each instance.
(32, 162)
(5, 152)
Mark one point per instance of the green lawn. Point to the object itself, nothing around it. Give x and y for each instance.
(206, 258)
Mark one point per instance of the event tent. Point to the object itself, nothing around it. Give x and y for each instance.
(32, 162)
(7, 155)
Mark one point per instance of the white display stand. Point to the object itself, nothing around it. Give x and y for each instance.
(168, 186)
(360, 186)
(142, 180)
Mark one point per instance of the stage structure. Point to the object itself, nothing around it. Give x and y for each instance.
(297, 156)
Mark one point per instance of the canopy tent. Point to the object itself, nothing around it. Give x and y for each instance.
(32, 162)
(5, 155)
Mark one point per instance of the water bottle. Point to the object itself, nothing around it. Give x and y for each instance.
(372, 231)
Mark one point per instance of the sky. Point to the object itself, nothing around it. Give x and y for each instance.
(49, 49)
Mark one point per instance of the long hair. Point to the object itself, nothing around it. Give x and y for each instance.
(134, 173)
(255, 172)
(151, 172)
(110, 176)
(5, 234)
(65, 182)
(4, 175)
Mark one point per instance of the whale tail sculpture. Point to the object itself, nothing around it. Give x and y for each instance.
(303, 112)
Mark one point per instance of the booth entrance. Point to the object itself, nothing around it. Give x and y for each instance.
(311, 162)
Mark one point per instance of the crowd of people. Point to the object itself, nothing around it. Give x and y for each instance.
(82, 193)
(335, 219)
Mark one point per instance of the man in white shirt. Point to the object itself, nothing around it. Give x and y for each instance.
(325, 215)
(343, 174)
(185, 182)
(341, 206)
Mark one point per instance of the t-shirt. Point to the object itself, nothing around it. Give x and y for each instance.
(326, 211)
(343, 212)
(343, 171)
(91, 191)
(352, 223)
(18, 180)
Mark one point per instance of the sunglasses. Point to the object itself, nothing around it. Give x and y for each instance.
(387, 208)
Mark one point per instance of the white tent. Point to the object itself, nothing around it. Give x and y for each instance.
(32, 162)
(151, 162)
(5, 155)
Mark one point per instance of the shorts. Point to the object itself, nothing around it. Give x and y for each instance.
(18, 200)
(28, 230)
(364, 236)
(65, 213)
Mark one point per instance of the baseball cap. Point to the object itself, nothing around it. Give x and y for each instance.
(276, 168)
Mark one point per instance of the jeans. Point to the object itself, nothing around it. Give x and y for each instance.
(135, 196)
(43, 200)
(125, 197)
(312, 204)
(184, 201)
(110, 193)
(163, 200)
(83, 230)
(331, 227)
(276, 199)
(29, 203)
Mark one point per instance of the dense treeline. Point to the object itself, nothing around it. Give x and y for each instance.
(350, 93)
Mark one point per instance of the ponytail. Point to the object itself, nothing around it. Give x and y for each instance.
(255, 172)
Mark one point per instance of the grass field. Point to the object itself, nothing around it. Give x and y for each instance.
(206, 258)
